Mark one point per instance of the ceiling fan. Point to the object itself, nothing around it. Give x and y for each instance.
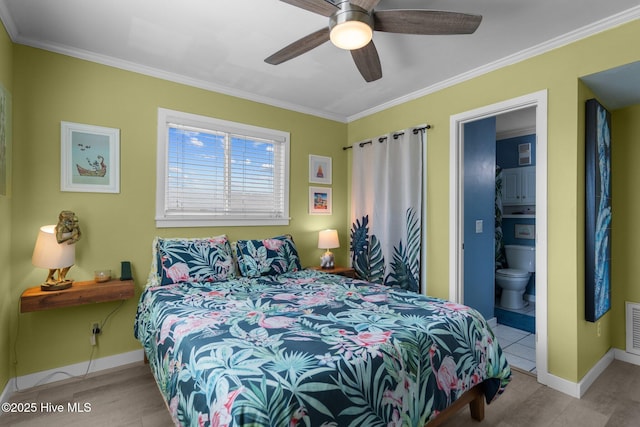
(351, 26)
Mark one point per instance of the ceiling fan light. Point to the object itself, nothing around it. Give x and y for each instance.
(351, 35)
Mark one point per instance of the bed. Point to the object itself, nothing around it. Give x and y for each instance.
(246, 337)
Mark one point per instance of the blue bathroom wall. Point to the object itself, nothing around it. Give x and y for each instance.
(507, 151)
(509, 231)
(479, 205)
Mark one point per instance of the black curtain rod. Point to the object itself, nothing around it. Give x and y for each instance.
(384, 138)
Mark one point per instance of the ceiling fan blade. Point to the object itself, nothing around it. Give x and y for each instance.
(368, 62)
(430, 22)
(321, 7)
(366, 4)
(299, 47)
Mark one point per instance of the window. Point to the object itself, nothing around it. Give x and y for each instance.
(214, 173)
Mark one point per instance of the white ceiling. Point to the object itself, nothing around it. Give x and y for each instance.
(221, 45)
(618, 87)
(516, 123)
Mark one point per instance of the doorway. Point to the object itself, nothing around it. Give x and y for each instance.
(537, 100)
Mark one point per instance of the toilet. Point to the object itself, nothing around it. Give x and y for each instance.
(513, 281)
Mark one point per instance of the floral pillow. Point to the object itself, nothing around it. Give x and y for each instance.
(267, 257)
(193, 260)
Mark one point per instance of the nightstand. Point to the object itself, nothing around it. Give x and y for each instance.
(341, 271)
(34, 299)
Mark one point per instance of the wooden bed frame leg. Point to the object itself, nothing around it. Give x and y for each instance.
(474, 397)
(476, 406)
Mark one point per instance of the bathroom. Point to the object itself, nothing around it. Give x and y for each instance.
(515, 238)
(507, 140)
(515, 181)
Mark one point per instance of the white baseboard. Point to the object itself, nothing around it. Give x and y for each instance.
(9, 389)
(595, 372)
(78, 369)
(578, 389)
(627, 357)
(561, 385)
(493, 322)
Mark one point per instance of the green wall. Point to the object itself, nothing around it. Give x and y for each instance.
(591, 345)
(7, 307)
(50, 88)
(625, 236)
(573, 344)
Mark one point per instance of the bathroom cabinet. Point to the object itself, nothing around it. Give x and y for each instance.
(519, 186)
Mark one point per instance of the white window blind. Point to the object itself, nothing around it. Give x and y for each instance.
(220, 173)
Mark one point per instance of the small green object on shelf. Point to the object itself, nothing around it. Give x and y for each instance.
(126, 271)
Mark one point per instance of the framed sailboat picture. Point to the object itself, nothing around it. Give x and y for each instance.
(319, 169)
(90, 158)
(597, 211)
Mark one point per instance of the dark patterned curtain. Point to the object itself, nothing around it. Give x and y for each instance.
(501, 261)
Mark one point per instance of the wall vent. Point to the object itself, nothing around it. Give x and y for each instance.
(633, 328)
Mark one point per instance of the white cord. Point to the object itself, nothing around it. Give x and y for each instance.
(44, 380)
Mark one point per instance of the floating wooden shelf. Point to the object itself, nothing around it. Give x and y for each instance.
(342, 271)
(35, 299)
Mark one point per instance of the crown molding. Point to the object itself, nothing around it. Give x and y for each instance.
(9, 25)
(515, 133)
(581, 33)
(174, 77)
(555, 43)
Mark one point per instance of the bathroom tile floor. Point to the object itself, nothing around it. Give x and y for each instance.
(519, 347)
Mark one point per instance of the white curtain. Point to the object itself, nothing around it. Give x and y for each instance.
(387, 209)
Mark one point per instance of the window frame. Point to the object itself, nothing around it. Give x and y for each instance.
(164, 219)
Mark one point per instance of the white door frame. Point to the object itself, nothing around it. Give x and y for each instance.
(456, 209)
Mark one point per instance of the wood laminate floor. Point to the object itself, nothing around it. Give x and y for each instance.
(128, 396)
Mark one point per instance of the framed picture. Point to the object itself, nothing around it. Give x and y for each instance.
(90, 158)
(320, 200)
(524, 154)
(597, 211)
(525, 231)
(319, 169)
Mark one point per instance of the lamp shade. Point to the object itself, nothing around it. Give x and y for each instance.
(48, 253)
(351, 27)
(351, 35)
(328, 239)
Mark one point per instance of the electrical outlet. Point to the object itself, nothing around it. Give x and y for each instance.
(599, 329)
(95, 328)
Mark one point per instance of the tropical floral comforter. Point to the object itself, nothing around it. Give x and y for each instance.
(312, 349)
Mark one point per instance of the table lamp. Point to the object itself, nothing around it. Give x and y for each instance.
(57, 257)
(328, 239)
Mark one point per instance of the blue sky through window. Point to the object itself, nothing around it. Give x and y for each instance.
(206, 172)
